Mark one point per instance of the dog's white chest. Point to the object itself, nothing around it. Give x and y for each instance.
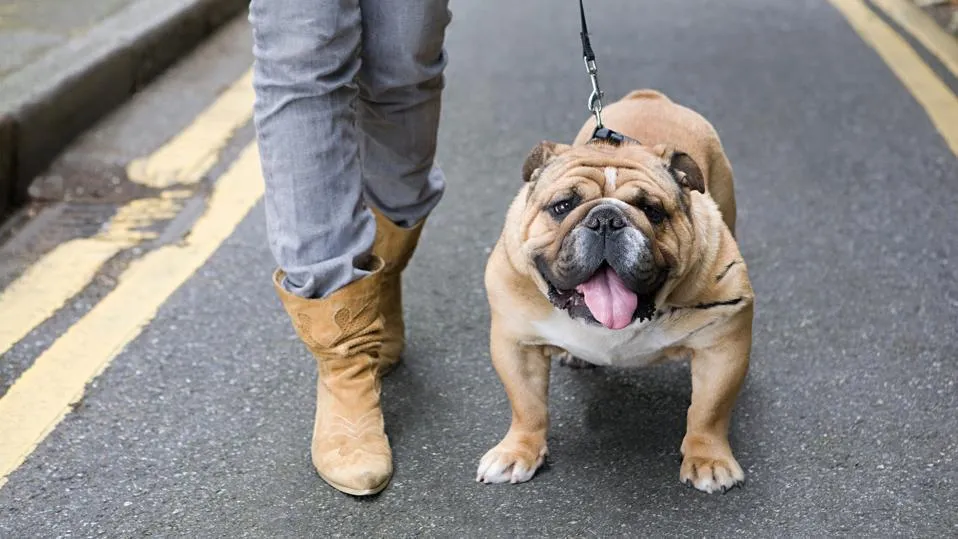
(638, 344)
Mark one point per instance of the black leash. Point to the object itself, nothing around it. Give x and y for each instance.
(595, 99)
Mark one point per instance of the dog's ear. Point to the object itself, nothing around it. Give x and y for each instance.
(682, 167)
(540, 157)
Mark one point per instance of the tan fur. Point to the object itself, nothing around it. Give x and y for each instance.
(652, 118)
(694, 323)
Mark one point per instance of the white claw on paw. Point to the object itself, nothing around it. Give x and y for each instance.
(501, 465)
(711, 474)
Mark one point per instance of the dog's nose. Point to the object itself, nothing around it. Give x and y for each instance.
(605, 218)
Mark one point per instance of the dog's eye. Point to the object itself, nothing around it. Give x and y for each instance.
(655, 213)
(561, 207)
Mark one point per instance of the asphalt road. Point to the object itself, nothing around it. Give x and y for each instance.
(847, 424)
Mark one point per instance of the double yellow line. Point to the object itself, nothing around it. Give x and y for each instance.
(42, 396)
(932, 94)
(63, 272)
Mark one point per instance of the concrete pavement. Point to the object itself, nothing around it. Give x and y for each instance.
(200, 425)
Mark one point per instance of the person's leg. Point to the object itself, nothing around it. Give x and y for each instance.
(306, 61)
(307, 57)
(400, 86)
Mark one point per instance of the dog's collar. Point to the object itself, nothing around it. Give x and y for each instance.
(604, 134)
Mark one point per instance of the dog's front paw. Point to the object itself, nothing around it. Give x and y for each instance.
(512, 461)
(709, 467)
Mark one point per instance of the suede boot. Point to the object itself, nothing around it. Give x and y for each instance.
(345, 333)
(395, 245)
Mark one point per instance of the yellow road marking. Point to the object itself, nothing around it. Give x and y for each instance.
(49, 283)
(925, 29)
(191, 154)
(41, 397)
(130, 220)
(930, 92)
(63, 272)
(45, 287)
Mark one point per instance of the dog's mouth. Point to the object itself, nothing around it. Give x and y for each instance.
(604, 299)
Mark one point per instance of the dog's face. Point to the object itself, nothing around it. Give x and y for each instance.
(606, 227)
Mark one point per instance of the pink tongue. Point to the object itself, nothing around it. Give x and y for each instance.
(610, 301)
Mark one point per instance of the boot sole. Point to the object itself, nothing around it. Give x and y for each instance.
(356, 492)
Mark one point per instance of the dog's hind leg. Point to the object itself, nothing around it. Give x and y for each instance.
(566, 359)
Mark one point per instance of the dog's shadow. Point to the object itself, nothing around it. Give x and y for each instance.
(620, 419)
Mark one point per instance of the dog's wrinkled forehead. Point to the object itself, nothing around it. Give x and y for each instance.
(672, 170)
(601, 156)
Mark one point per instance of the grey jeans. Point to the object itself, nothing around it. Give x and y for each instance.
(347, 109)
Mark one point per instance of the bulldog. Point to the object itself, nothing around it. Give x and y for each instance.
(623, 255)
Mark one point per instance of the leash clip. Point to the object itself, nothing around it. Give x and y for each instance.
(595, 98)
